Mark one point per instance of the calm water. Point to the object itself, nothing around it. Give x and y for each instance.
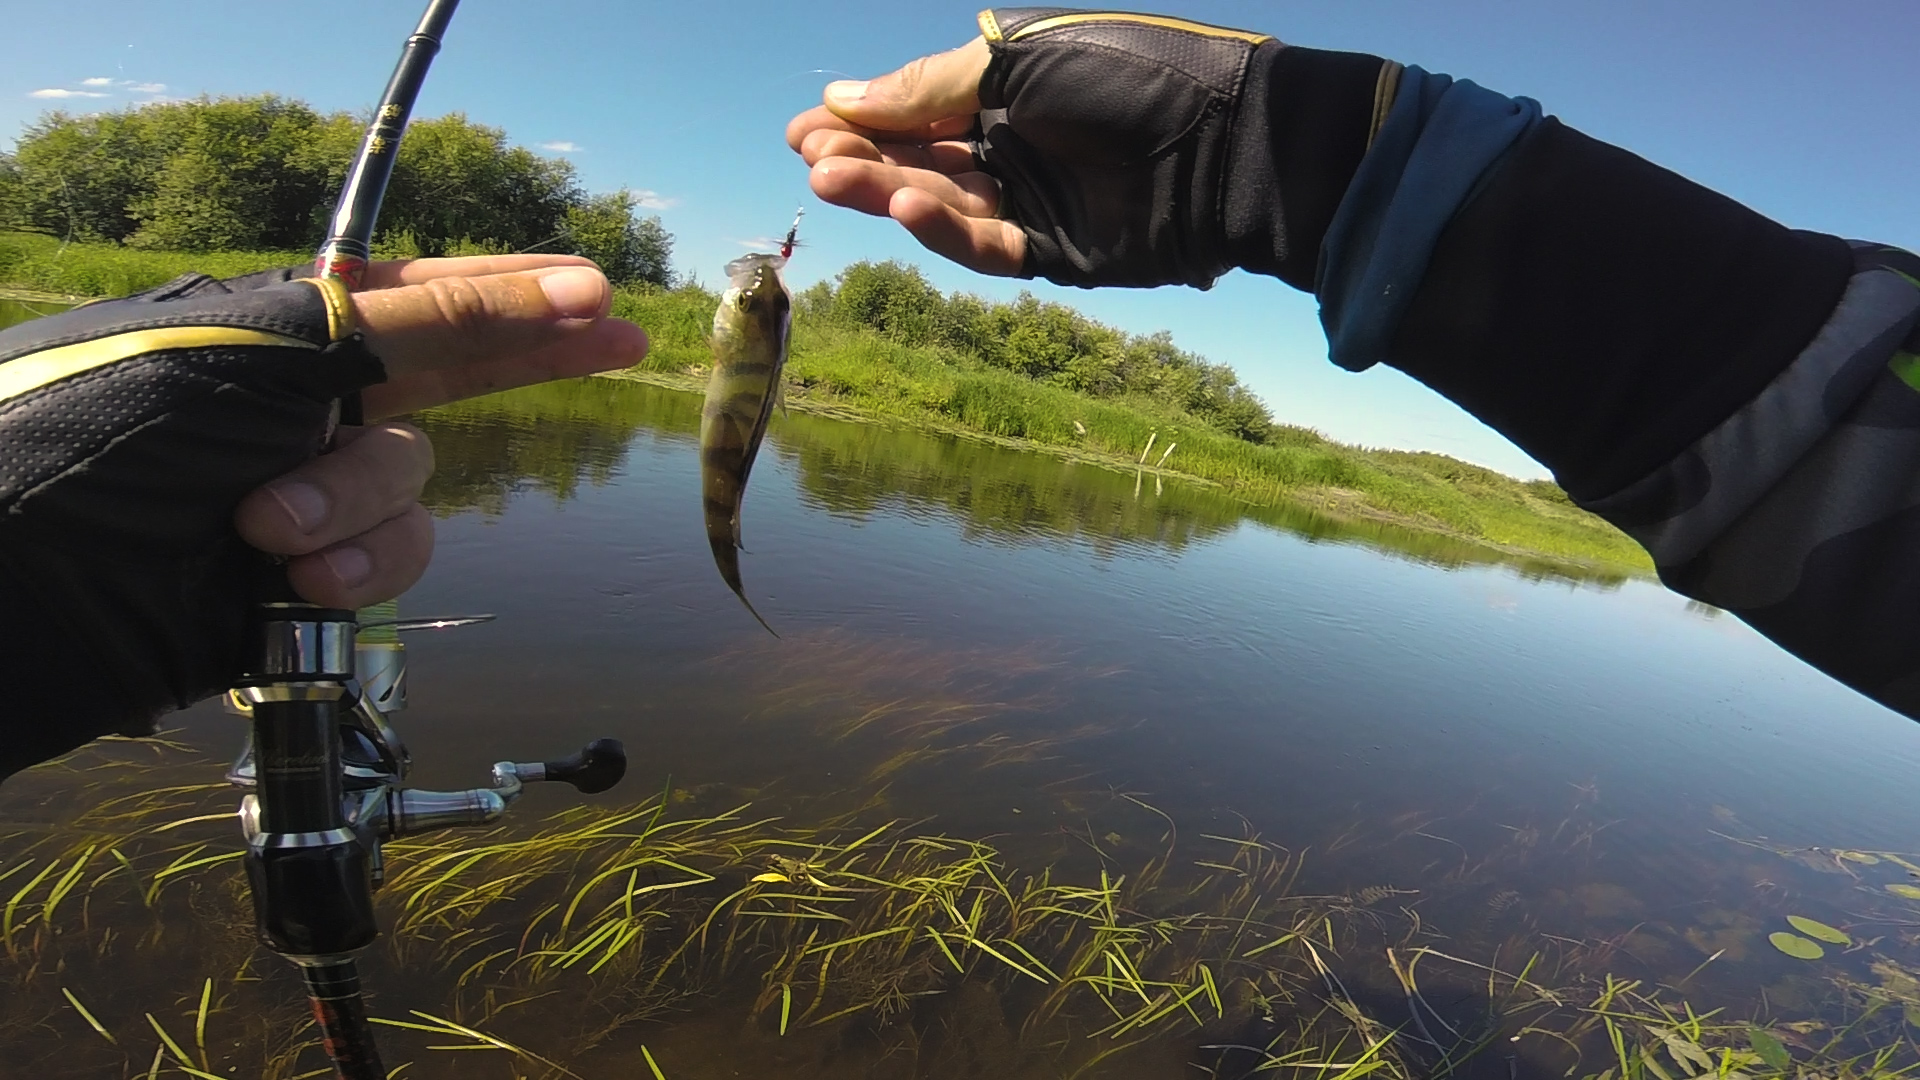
(1490, 759)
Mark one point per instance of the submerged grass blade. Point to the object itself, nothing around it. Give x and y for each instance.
(179, 1055)
(88, 1017)
(439, 1026)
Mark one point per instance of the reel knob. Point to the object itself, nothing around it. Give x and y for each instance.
(596, 767)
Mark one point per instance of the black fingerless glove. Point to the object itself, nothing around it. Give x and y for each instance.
(129, 431)
(1143, 150)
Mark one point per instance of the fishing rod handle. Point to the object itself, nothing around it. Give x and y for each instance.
(333, 990)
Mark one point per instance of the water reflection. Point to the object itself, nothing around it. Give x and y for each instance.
(552, 438)
(19, 311)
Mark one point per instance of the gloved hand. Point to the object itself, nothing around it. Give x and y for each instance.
(1105, 148)
(151, 448)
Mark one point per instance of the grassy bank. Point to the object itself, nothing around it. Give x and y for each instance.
(846, 368)
(42, 264)
(837, 368)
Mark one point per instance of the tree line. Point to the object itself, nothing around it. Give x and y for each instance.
(1044, 341)
(227, 174)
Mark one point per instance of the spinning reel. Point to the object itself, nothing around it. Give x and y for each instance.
(323, 769)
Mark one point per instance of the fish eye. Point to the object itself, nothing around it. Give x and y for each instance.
(741, 301)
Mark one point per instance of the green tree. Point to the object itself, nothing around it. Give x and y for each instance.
(227, 184)
(890, 297)
(629, 248)
(456, 181)
(80, 177)
(262, 172)
(12, 192)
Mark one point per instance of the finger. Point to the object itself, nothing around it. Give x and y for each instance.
(371, 475)
(946, 157)
(928, 89)
(607, 345)
(376, 565)
(448, 321)
(988, 245)
(869, 186)
(820, 118)
(827, 143)
(393, 273)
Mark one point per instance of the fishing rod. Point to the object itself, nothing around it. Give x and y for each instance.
(322, 763)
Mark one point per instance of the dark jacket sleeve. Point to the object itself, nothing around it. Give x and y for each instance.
(1741, 398)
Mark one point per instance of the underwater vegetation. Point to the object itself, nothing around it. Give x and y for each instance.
(801, 924)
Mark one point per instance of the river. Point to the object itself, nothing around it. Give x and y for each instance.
(1225, 737)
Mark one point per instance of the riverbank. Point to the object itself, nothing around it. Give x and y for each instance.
(858, 373)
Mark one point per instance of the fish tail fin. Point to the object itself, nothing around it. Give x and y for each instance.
(727, 558)
(750, 610)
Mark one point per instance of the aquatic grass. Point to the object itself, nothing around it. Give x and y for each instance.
(824, 927)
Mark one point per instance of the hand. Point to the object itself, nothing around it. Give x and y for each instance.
(446, 329)
(1091, 148)
(894, 147)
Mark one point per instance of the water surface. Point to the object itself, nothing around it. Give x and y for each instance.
(1091, 669)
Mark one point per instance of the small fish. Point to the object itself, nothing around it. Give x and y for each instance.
(750, 331)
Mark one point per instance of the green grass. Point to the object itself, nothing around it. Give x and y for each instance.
(856, 368)
(43, 264)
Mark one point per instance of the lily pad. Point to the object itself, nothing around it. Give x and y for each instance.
(1769, 1048)
(1796, 946)
(1901, 888)
(1814, 928)
(1860, 857)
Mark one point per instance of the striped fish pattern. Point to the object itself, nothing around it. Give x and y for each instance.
(750, 332)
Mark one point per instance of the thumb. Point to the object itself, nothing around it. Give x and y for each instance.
(929, 89)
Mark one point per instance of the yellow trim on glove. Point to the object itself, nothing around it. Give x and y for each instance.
(1162, 21)
(35, 370)
(340, 320)
(1385, 88)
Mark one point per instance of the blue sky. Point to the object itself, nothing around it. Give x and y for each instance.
(1802, 111)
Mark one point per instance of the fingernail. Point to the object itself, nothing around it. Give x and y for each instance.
(352, 565)
(846, 93)
(304, 503)
(574, 293)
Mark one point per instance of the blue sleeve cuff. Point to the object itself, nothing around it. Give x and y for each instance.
(1438, 140)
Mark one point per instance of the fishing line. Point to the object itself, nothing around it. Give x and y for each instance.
(719, 111)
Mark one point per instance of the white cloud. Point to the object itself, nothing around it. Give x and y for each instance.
(97, 80)
(653, 200)
(762, 243)
(146, 87)
(562, 146)
(54, 92)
